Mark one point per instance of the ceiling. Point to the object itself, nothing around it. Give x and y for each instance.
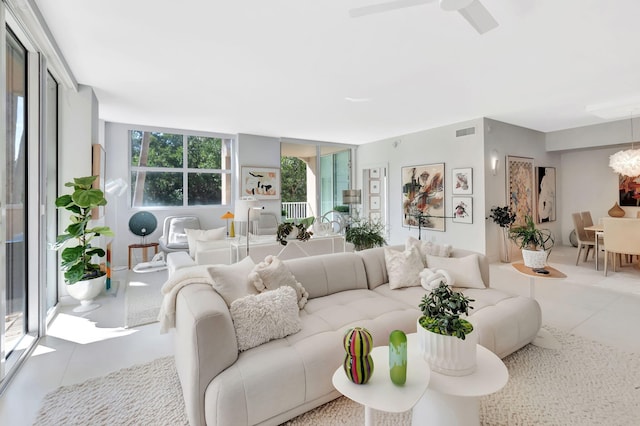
(285, 68)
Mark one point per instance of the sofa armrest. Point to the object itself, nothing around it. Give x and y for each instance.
(205, 344)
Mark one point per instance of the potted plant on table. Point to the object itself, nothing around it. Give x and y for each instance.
(84, 278)
(448, 341)
(535, 243)
(365, 234)
(285, 228)
(504, 218)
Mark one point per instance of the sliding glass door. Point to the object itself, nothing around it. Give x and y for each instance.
(15, 197)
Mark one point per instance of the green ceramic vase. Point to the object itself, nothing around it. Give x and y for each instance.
(398, 357)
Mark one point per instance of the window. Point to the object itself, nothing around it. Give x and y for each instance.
(170, 170)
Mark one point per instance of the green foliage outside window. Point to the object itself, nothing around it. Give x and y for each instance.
(293, 177)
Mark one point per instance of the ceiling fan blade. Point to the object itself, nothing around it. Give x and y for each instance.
(385, 7)
(479, 17)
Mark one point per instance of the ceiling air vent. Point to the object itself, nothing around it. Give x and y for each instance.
(466, 132)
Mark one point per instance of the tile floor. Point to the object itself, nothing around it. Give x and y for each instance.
(604, 309)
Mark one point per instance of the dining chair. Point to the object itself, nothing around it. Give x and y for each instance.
(584, 242)
(621, 236)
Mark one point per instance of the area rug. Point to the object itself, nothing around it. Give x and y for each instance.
(143, 298)
(583, 383)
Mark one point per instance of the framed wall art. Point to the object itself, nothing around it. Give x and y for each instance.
(374, 173)
(462, 209)
(546, 186)
(374, 202)
(374, 186)
(520, 187)
(423, 196)
(260, 182)
(462, 181)
(629, 190)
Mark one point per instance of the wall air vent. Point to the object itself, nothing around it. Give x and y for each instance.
(466, 132)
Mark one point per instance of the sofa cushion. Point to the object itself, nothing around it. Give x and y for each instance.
(465, 271)
(404, 267)
(232, 281)
(428, 248)
(271, 274)
(269, 315)
(194, 235)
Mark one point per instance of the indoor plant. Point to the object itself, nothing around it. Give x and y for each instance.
(504, 218)
(447, 340)
(84, 278)
(364, 234)
(535, 243)
(285, 228)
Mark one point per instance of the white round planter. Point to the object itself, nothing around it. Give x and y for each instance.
(448, 355)
(86, 291)
(534, 258)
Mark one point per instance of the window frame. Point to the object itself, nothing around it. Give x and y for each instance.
(225, 173)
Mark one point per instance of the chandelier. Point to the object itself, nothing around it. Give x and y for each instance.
(626, 162)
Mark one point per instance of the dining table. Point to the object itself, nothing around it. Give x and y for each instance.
(599, 231)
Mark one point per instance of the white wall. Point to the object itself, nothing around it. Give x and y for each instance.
(508, 139)
(432, 146)
(78, 112)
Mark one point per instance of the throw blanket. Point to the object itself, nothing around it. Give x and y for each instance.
(181, 278)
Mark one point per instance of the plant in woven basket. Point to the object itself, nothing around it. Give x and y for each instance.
(364, 234)
(441, 309)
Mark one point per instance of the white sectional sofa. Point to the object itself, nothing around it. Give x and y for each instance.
(283, 378)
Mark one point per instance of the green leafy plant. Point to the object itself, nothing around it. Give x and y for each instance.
(529, 237)
(342, 209)
(502, 216)
(285, 228)
(77, 262)
(441, 309)
(364, 234)
(283, 212)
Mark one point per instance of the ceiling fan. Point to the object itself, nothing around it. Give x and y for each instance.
(471, 10)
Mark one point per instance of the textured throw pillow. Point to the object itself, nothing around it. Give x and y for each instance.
(264, 317)
(403, 267)
(464, 270)
(428, 248)
(203, 245)
(231, 281)
(430, 278)
(194, 235)
(271, 274)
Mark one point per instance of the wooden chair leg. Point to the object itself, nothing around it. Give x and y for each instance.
(579, 251)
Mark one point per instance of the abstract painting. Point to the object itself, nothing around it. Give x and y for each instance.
(462, 181)
(546, 180)
(629, 189)
(262, 183)
(462, 209)
(423, 196)
(520, 187)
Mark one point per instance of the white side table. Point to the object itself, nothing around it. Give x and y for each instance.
(379, 392)
(455, 401)
(543, 339)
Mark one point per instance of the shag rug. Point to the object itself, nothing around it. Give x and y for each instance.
(583, 383)
(143, 297)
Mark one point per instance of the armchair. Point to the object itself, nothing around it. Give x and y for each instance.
(174, 238)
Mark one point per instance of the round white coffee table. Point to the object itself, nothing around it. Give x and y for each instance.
(450, 400)
(379, 392)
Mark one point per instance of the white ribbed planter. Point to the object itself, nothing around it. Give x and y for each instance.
(86, 291)
(534, 258)
(448, 355)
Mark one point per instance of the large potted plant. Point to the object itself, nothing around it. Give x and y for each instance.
(535, 243)
(504, 218)
(447, 340)
(365, 234)
(84, 278)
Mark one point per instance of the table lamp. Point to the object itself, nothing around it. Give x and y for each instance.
(227, 216)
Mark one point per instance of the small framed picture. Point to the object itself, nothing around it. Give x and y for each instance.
(462, 209)
(462, 181)
(374, 186)
(375, 216)
(374, 202)
(374, 173)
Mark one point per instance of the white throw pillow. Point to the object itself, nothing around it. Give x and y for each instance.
(231, 281)
(204, 245)
(271, 274)
(428, 248)
(270, 315)
(464, 270)
(403, 267)
(194, 235)
(430, 278)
